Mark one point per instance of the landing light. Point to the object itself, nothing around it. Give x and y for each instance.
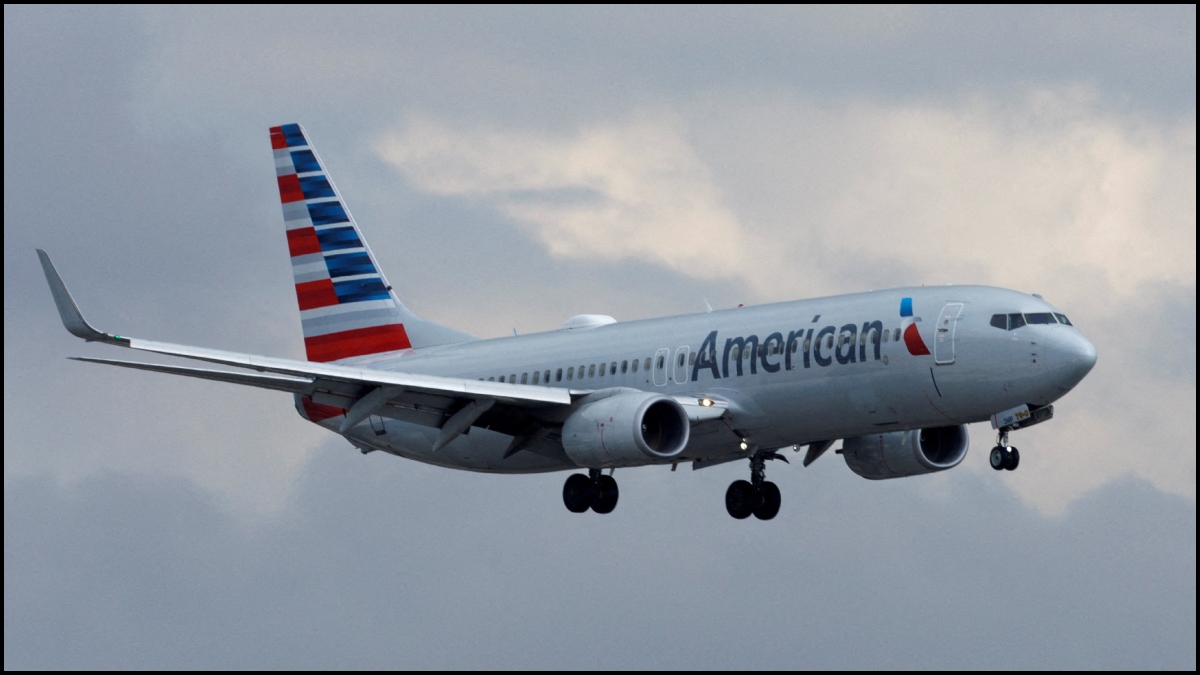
(706, 402)
(744, 446)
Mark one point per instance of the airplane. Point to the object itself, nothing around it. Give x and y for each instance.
(896, 375)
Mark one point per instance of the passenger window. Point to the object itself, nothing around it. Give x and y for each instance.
(612, 368)
(807, 344)
(897, 337)
(1062, 318)
(795, 345)
(558, 375)
(512, 379)
(646, 365)
(625, 367)
(1015, 321)
(501, 378)
(592, 370)
(862, 340)
(829, 343)
(491, 379)
(536, 376)
(603, 369)
(582, 371)
(546, 377)
(524, 378)
(570, 372)
(735, 353)
(680, 364)
(886, 334)
(692, 359)
(661, 362)
(635, 364)
(1000, 321)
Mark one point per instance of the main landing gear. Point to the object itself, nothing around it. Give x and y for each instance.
(594, 491)
(1004, 456)
(758, 495)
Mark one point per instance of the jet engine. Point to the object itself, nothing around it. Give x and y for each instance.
(906, 453)
(631, 428)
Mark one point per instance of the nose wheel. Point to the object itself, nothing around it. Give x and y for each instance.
(594, 491)
(758, 497)
(1004, 456)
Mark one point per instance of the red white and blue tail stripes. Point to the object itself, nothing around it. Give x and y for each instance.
(346, 306)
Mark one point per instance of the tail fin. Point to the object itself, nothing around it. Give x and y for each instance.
(347, 307)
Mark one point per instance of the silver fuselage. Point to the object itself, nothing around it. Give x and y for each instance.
(793, 388)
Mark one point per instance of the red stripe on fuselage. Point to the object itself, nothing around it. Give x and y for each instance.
(912, 340)
(358, 342)
(289, 189)
(313, 294)
(303, 241)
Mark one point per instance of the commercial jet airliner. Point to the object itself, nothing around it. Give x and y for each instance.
(896, 375)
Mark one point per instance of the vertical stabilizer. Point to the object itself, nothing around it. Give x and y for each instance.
(347, 307)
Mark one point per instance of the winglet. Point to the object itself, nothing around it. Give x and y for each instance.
(72, 318)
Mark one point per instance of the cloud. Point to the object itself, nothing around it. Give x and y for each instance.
(360, 572)
(626, 190)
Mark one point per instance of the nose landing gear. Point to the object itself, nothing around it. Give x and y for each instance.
(1004, 456)
(757, 496)
(594, 491)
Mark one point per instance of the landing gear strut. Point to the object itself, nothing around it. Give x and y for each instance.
(757, 496)
(1004, 456)
(594, 491)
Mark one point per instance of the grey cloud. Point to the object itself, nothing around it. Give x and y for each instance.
(381, 563)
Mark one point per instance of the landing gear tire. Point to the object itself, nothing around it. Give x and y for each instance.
(579, 493)
(740, 499)
(998, 458)
(1012, 459)
(606, 495)
(771, 499)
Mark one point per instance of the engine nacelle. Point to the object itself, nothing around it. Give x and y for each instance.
(631, 428)
(906, 453)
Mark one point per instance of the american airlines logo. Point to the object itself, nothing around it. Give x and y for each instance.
(848, 344)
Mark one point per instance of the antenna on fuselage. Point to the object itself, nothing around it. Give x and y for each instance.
(707, 307)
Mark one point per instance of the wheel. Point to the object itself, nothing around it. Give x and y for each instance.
(740, 499)
(578, 493)
(606, 496)
(998, 458)
(1012, 459)
(770, 502)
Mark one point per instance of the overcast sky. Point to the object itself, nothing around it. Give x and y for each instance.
(511, 168)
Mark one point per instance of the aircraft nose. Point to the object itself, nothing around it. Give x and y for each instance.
(1072, 357)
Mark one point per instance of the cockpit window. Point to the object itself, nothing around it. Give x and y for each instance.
(1040, 317)
(1062, 318)
(1000, 321)
(1015, 321)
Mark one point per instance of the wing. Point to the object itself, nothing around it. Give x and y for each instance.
(449, 403)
